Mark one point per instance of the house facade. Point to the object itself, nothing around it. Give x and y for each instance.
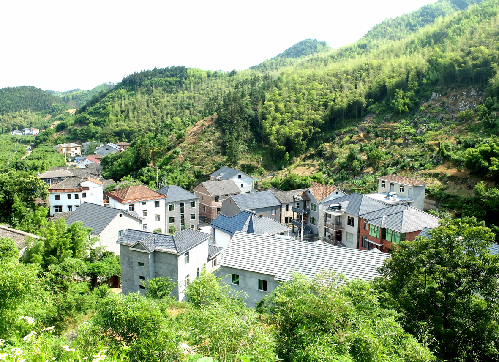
(70, 193)
(69, 149)
(181, 209)
(288, 201)
(394, 189)
(211, 195)
(148, 204)
(181, 257)
(106, 149)
(107, 223)
(243, 181)
(263, 204)
(257, 264)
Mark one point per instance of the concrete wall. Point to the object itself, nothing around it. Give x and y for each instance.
(131, 271)
(167, 265)
(198, 257)
(248, 283)
(418, 192)
(149, 222)
(188, 211)
(110, 234)
(244, 182)
(222, 239)
(229, 208)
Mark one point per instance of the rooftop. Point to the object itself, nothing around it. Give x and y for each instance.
(177, 244)
(56, 174)
(248, 222)
(95, 216)
(402, 180)
(20, 237)
(321, 191)
(389, 199)
(175, 193)
(219, 188)
(402, 219)
(258, 253)
(256, 200)
(358, 204)
(287, 197)
(226, 173)
(134, 194)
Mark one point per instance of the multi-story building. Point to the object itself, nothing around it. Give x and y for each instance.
(243, 181)
(70, 193)
(393, 190)
(148, 204)
(263, 203)
(181, 209)
(287, 200)
(211, 195)
(69, 149)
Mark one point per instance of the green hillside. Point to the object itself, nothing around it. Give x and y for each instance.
(15, 99)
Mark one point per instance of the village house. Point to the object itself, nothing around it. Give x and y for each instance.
(21, 238)
(181, 257)
(393, 190)
(123, 145)
(148, 204)
(107, 223)
(263, 203)
(211, 195)
(242, 180)
(382, 228)
(287, 200)
(257, 264)
(69, 149)
(224, 227)
(90, 159)
(181, 209)
(70, 193)
(54, 176)
(106, 149)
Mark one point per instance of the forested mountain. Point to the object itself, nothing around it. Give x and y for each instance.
(25, 98)
(76, 98)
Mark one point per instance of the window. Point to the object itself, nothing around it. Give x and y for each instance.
(374, 231)
(77, 196)
(365, 225)
(58, 208)
(313, 220)
(392, 236)
(171, 219)
(186, 258)
(214, 263)
(383, 184)
(156, 203)
(131, 207)
(120, 233)
(242, 185)
(144, 227)
(57, 197)
(193, 216)
(187, 280)
(238, 176)
(235, 279)
(144, 213)
(287, 207)
(217, 198)
(286, 220)
(83, 195)
(69, 196)
(262, 285)
(351, 221)
(192, 226)
(218, 211)
(204, 208)
(142, 287)
(157, 218)
(143, 202)
(349, 237)
(402, 188)
(193, 203)
(273, 212)
(171, 207)
(197, 273)
(365, 243)
(141, 263)
(313, 207)
(70, 208)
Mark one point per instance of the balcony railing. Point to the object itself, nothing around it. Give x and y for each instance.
(299, 210)
(334, 225)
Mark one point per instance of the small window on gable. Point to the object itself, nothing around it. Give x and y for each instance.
(120, 233)
(242, 185)
(351, 221)
(235, 279)
(273, 211)
(141, 263)
(262, 285)
(186, 259)
(193, 216)
(238, 176)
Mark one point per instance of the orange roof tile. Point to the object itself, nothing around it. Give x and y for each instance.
(321, 191)
(135, 193)
(94, 181)
(402, 180)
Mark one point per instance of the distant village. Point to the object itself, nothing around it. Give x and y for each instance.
(254, 239)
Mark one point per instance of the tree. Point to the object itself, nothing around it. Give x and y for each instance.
(445, 288)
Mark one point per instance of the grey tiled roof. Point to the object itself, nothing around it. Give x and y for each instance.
(95, 216)
(178, 244)
(248, 222)
(56, 174)
(226, 173)
(286, 197)
(175, 193)
(280, 258)
(219, 188)
(256, 200)
(358, 204)
(213, 251)
(68, 183)
(402, 219)
(494, 249)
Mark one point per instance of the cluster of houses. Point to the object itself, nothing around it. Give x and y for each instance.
(26, 132)
(75, 151)
(255, 239)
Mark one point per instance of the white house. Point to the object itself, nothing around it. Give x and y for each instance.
(245, 182)
(256, 264)
(107, 223)
(148, 204)
(394, 189)
(181, 257)
(70, 193)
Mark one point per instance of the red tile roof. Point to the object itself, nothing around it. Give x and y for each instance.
(135, 193)
(321, 191)
(402, 180)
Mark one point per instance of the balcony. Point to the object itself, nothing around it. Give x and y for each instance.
(334, 225)
(296, 223)
(299, 210)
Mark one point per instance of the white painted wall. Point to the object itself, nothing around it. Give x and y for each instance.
(222, 239)
(198, 257)
(72, 200)
(110, 234)
(149, 220)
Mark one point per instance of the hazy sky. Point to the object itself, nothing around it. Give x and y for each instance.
(63, 45)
